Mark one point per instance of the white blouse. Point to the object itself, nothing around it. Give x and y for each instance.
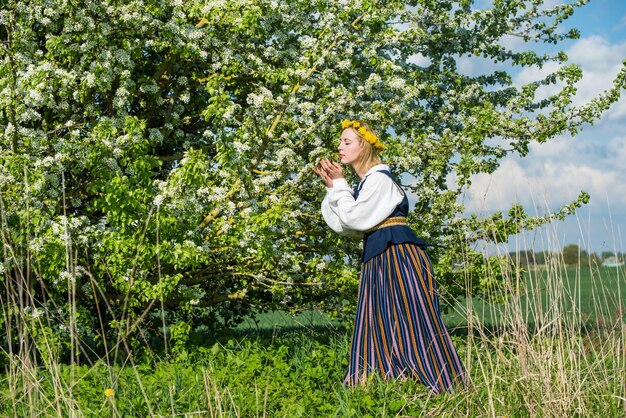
(377, 200)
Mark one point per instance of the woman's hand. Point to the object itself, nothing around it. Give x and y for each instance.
(328, 171)
(322, 173)
(333, 169)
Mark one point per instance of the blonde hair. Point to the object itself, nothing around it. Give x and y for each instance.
(369, 154)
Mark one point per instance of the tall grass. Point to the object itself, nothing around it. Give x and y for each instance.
(546, 357)
(556, 347)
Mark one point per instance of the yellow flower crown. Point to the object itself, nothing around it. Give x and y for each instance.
(364, 132)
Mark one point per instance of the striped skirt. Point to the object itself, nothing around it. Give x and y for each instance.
(398, 330)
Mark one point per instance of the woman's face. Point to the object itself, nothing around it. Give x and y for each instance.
(349, 147)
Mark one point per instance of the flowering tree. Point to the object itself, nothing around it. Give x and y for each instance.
(156, 155)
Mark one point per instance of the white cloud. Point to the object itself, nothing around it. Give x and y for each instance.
(553, 174)
(514, 43)
(600, 61)
(616, 151)
(618, 111)
(419, 59)
(498, 191)
(596, 54)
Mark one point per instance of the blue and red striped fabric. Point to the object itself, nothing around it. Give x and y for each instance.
(398, 330)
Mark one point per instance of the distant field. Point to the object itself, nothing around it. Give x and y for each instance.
(593, 293)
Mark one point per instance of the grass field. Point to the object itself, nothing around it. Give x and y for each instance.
(592, 293)
(556, 348)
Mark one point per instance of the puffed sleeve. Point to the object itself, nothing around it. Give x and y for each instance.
(329, 208)
(377, 200)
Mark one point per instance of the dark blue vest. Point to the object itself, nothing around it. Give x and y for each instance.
(377, 241)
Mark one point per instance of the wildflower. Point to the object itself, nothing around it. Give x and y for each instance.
(109, 393)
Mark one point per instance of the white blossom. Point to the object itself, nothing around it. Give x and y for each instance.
(240, 147)
(155, 135)
(66, 276)
(37, 313)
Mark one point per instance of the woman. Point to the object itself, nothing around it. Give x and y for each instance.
(398, 329)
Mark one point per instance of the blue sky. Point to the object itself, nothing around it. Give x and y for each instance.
(554, 173)
(606, 18)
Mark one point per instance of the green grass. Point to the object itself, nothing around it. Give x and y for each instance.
(554, 349)
(297, 373)
(279, 320)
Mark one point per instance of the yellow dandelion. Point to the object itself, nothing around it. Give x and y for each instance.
(365, 133)
(108, 392)
(202, 22)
